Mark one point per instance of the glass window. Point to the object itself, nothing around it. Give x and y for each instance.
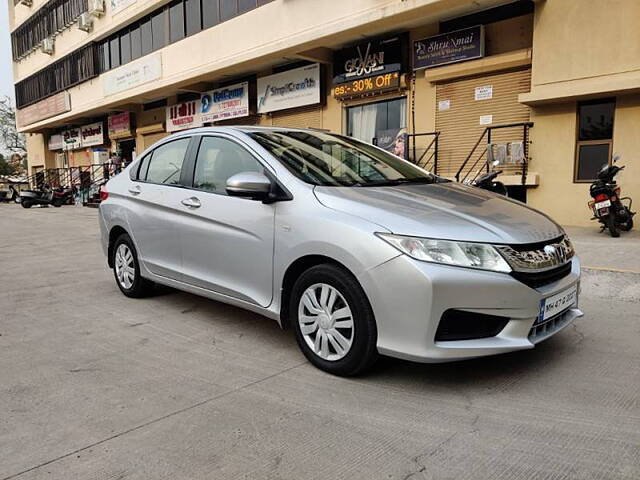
(159, 27)
(228, 9)
(104, 53)
(193, 16)
(176, 22)
(381, 123)
(218, 160)
(165, 164)
(114, 48)
(125, 48)
(333, 160)
(136, 43)
(146, 36)
(246, 5)
(595, 138)
(210, 13)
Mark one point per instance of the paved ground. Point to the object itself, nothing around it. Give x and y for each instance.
(97, 386)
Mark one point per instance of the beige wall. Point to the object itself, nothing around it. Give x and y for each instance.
(38, 153)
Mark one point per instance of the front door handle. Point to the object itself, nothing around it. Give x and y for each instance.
(135, 190)
(192, 202)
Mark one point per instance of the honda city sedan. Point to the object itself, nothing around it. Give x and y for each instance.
(359, 252)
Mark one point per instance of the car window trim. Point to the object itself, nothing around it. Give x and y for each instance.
(182, 168)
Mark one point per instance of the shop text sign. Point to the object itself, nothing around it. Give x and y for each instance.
(132, 75)
(290, 89)
(120, 124)
(71, 139)
(47, 108)
(379, 83)
(375, 57)
(225, 103)
(183, 115)
(92, 135)
(55, 142)
(452, 47)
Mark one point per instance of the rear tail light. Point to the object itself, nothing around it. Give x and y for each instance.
(601, 198)
(104, 194)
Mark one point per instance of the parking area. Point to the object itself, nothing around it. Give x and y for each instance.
(96, 385)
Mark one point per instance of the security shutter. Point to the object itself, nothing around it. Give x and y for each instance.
(304, 117)
(249, 120)
(152, 138)
(460, 124)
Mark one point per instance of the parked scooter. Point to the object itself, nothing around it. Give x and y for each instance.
(486, 181)
(46, 196)
(607, 205)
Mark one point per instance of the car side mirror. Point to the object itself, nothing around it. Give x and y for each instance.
(253, 185)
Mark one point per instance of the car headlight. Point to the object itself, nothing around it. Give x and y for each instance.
(462, 254)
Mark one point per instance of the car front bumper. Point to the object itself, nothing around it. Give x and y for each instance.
(408, 298)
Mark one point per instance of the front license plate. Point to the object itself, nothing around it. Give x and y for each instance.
(555, 304)
(604, 204)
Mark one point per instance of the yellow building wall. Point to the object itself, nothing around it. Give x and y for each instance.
(38, 153)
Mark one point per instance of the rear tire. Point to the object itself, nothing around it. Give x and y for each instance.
(26, 204)
(628, 225)
(611, 225)
(56, 203)
(126, 269)
(333, 321)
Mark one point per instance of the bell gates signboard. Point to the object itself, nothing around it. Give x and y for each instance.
(225, 103)
(452, 47)
(368, 59)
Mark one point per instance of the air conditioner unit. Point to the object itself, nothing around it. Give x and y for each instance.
(47, 46)
(96, 8)
(85, 22)
(26, 3)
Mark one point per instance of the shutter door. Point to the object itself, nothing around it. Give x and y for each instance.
(304, 117)
(460, 125)
(152, 138)
(249, 120)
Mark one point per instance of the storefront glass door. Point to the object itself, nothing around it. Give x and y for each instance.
(381, 123)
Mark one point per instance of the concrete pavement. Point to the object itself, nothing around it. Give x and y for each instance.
(94, 385)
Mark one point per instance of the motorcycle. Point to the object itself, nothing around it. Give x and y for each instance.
(46, 196)
(487, 181)
(607, 205)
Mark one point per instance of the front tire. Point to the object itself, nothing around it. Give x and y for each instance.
(611, 224)
(333, 321)
(628, 224)
(126, 269)
(26, 204)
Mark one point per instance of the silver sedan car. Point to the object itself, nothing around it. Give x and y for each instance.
(358, 251)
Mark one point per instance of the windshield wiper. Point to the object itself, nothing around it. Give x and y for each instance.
(396, 181)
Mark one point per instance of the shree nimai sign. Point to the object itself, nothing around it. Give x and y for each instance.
(452, 47)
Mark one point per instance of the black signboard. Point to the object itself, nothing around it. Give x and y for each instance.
(368, 59)
(451, 47)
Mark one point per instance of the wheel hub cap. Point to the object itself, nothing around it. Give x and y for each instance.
(125, 268)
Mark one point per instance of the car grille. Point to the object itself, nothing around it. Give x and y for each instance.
(540, 279)
(549, 327)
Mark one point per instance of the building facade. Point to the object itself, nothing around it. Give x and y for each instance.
(546, 90)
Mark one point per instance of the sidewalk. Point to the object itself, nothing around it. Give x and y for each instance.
(599, 251)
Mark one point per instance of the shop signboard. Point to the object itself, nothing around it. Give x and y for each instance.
(132, 74)
(92, 134)
(452, 47)
(55, 142)
(225, 103)
(120, 125)
(47, 108)
(290, 89)
(366, 86)
(183, 115)
(71, 139)
(377, 57)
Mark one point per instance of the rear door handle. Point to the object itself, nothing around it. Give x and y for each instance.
(135, 190)
(192, 202)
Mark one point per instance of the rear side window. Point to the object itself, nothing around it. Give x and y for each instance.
(218, 159)
(164, 164)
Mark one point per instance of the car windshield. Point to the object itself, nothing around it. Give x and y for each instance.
(333, 160)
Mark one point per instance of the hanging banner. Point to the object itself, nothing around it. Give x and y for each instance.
(120, 125)
(225, 103)
(452, 47)
(71, 139)
(368, 59)
(183, 116)
(92, 135)
(290, 89)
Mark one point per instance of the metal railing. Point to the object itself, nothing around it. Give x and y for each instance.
(425, 156)
(482, 161)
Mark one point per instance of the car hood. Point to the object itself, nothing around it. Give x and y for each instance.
(443, 210)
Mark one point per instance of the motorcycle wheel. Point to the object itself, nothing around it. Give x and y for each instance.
(25, 204)
(628, 225)
(57, 203)
(611, 224)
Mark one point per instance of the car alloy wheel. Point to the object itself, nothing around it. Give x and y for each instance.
(326, 322)
(125, 267)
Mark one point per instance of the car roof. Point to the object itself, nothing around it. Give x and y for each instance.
(247, 129)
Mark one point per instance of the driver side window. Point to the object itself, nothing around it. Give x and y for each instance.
(165, 163)
(218, 160)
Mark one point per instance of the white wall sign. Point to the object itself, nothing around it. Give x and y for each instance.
(225, 103)
(444, 105)
(92, 134)
(293, 88)
(183, 115)
(486, 119)
(484, 93)
(119, 5)
(71, 139)
(132, 74)
(55, 142)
